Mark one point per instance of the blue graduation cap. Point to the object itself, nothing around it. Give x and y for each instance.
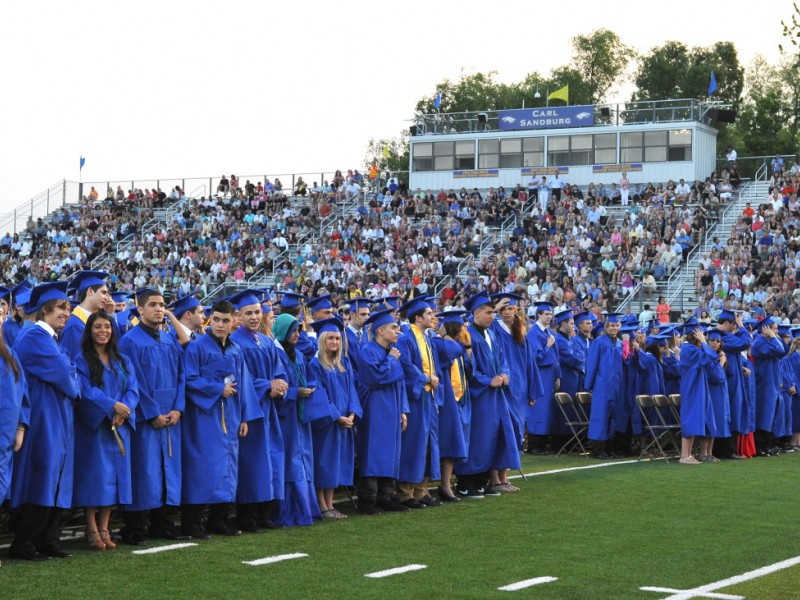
(245, 298)
(319, 303)
(727, 315)
(52, 290)
(691, 324)
(332, 325)
(86, 279)
(391, 301)
(120, 296)
(380, 318)
(584, 316)
(432, 301)
(563, 315)
(452, 316)
(750, 324)
(414, 305)
(657, 340)
(22, 297)
(4, 292)
(475, 301)
(544, 306)
(357, 303)
(266, 308)
(21, 287)
(598, 328)
(612, 317)
(715, 334)
(795, 332)
(629, 327)
(290, 299)
(513, 299)
(784, 330)
(184, 303)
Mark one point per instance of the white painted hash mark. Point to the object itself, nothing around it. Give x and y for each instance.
(395, 571)
(521, 585)
(705, 595)
(703, 590)
(273, 559)
(164, 548)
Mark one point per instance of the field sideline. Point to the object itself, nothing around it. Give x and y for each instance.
(588, 533)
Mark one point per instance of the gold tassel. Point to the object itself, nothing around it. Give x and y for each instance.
(222, 406)
(119, 440)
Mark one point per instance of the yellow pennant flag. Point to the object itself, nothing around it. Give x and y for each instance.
(562, 94)
(386, 152)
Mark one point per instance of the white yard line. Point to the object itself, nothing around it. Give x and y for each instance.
(705, 595)
(395, 571)
(273, 559)
(703, 590)
(521, 585)
(567, 470)
(158, 549)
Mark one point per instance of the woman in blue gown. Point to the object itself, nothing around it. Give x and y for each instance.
(697, 416)
(299, 504)
(103, 426)
(15, 410)
(720, 399)
(334, 442)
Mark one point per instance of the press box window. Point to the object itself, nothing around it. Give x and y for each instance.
(488, 154)
(511, 153)
(680, 145)
(423, 156)
(533, 152)
(465, 155)
(558, 151)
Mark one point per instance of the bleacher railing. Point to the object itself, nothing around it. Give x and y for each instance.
(40, 205)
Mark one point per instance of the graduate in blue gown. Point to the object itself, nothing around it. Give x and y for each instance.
(220, 401)
(720, 398)
(296, 409)
(41, 488)
(16, 316)
(697, 414)
(355, 331)
(767, 350)
(572, 366)
(15, 408)
(91, 292)
(782, 429)
(155, 445)
(419, 454)
(525, 385)
(261, 453)
(333, 434)
(109, 395)
(492, 444)
(382, 392)
(319, 308)
(453, 349)
(604, 378)
(540, 414)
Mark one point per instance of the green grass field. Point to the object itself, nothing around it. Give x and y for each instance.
(604, 533)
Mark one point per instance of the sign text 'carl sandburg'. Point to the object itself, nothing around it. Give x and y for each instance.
(551, 117)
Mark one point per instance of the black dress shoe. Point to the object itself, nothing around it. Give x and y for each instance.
(197, 533)
(224, 529)
(32, 555)
(537, 451)
(601, 455)
(430, 501)
(392, 504)
(251, 528)
(618, 455)
(411, 503)
(54, 553)
(270, 525)
(444, 497)
(134, 539)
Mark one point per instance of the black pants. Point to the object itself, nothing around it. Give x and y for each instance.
(160, 522)
(764, 440)
(253, 515)
(36, 528)
(192, 517)
(372, 488)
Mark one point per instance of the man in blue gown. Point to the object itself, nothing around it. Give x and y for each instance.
(157, 360)
(261, 453)
(355, 330)
(604, 378)
(91, 291)
(539, 421)
(220, 400)
(736, 342)
(16, 315)
(41, 489)
(385, 408)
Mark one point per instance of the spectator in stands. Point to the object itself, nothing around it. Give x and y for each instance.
(223, 187)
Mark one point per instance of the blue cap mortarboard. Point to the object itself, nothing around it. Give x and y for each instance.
(86, 279)
(475, 301)
(332, 325)
(319, 303)
(52, 290)
(380, 318)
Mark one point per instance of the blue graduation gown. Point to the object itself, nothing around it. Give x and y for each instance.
(720, 400)
(524, 382)
(572, 365)
(354, 348)
(334, 446)
(72, 334)
(261, 453)
(15, 410)
(454, 415)
(299, 504)
(10, 329)
(155, 453)
(25, 324)
(604, 378)
(419, 449)
(382, 391)
(767, 353)
(492, 442)
(211, 452)
(783, 420)
(539, 417)
(43, 468)
(738, 383)
(672, 374)
(697, 415)
(306, 345)
(104, 475)
(649, 380)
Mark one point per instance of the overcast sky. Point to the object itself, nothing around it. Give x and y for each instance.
(174, 89)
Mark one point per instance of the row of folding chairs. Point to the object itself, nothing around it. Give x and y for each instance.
(661, 419)
(576, 415)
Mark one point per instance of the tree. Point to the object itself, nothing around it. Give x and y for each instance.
(391, 155)
(599, 58)
(658, 75)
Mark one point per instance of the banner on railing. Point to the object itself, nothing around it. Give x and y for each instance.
(476, 173)
(539, 171)
(546, 118)
(621, 168)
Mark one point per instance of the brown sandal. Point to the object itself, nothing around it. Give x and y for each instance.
(109, 543)
(94, 542)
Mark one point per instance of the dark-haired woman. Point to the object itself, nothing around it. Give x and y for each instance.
(109, 395)
(697, 414)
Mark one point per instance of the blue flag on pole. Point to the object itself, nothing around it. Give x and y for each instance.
(83, 162)
(712, 85)
(437, 101)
